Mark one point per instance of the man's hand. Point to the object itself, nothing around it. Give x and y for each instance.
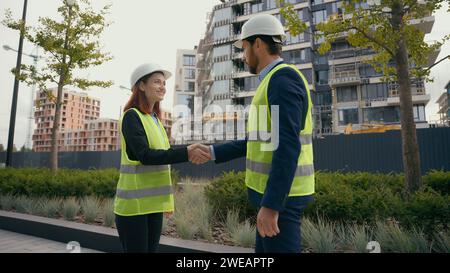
(199, 153)
(267, 222)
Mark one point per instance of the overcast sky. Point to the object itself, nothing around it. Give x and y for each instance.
(142, 31)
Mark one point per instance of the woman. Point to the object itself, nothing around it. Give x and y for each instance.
(144, 191)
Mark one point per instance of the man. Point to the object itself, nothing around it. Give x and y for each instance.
(280, 181)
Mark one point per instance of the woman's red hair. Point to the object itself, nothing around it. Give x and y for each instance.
(140, 102)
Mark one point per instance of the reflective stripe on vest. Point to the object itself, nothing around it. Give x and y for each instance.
(132, 194)
(304, 139)
(264, 168)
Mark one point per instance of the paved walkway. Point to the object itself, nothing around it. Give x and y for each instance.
(11, 242)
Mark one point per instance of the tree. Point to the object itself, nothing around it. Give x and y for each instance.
(2, 148)
(69, 45)
(400, 52)
(24, 149)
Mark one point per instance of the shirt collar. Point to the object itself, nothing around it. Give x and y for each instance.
(269, 67)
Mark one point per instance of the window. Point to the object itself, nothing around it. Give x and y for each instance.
(257, 7)
(189, 60)
(346, 94)
(419, 112)
(221, 51)
(271, 4)
(251, 83)
(319, 16)
(347, 116)
(295, 56)
(189, 86)
(368, 71)
(382, 115)
(322, 98)
(294, 39)
(321, 59)
(374, 91)
(189, 73)
(322, 77)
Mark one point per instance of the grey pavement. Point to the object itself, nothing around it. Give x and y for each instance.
(11, 242)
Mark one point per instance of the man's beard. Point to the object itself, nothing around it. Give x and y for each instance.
(252, 70)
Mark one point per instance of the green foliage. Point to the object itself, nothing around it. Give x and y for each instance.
(193, 214)
(50, 207)
(359, 235)
(232, 221)
(70, 208)
(442, 242)
(41, 183)
(392, 238)
(90, 207)
(68, 45)
(7, 201)
(361, 198)
(438, 181)
(319, 237)
(244, 235)
(108, 212)
(228, 192)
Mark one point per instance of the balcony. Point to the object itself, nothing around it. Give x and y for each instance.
(425, 24)
(343, 53)
(240, 73)
(345, 77)
(242, 93)
(418, 95)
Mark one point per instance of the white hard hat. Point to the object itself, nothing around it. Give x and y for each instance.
(262, 24)
(145, 69)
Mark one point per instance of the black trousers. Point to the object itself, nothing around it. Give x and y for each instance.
(141, 233)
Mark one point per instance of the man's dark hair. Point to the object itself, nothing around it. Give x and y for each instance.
(274, 47)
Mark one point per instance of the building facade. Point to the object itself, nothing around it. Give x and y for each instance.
(345, 90)
(185, 79)
(96, 135)
(444, 106)
(80, 127)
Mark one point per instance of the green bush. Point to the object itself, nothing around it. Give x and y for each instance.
(228, 192)
(362, 198)
(438, 181)
(41, 183)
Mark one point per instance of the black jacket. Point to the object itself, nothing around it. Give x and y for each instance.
(137, 144)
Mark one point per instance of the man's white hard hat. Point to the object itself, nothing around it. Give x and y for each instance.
(145, 69)
(262, 24)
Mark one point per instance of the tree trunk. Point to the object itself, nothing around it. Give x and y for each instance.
(55, 129)
(61, 83)
(410, 148)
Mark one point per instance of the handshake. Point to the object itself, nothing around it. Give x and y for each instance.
(199, 153)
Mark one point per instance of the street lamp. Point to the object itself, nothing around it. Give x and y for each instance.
(12, 120)
(35, 58)
(124, 88)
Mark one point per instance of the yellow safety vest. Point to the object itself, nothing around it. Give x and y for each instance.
(259, 159)
(144, 189)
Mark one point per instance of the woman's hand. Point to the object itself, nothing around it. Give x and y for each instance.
(199, 153)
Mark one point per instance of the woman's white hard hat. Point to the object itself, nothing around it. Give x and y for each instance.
(145, 69)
